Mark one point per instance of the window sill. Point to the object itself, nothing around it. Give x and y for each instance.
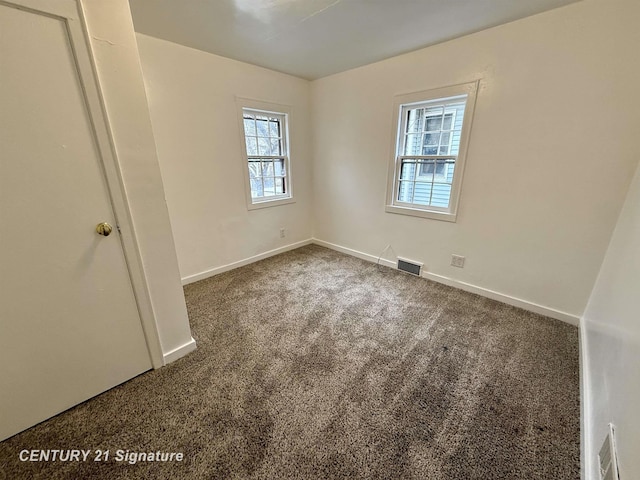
(417, 212)
(270, 203)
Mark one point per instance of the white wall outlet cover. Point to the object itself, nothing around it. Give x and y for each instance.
(457, 261)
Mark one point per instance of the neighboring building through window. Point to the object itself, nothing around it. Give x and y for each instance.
(266, 149)
(432, 132)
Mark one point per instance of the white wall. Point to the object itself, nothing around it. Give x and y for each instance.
(612, 331)
(551, 154)
(194, 114)
(118, 68)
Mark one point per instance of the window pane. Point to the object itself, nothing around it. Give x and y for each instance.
(412, 144)
(267, 169)
(435, 113)
(414, 120)
(441, 168)
(430, 151)
(256, 188)
(447, 125)
(279, 168)
(280, 186)
(443, 150)
(455, 145)
(249, 126)
(431, 138)
(408, 170)
(252, 148)
(445, 138)
(269, 186)
(275, 147)
(405, 192)
(426, 169)
(274, 127)
(441, 195)
(449, 171)
(264, 146)
(262, 124)
(434, 123)
(422, 193)
(254, 169)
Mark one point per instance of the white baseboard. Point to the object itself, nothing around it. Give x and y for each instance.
(485, 292)
(508, 299)
(354, 253)
(179, 352)
(468, 287)
(240, 263)
(586, 455)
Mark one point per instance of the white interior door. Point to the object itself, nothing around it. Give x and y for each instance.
(69, 324)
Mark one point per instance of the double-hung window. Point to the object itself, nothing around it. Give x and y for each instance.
(432, 128)
(266, 153)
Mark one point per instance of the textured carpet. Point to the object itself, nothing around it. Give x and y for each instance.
(313, 364)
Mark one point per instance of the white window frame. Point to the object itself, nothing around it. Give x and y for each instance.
(282, 112)
(393, 182)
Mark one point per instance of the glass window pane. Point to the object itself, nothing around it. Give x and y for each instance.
(448, 118)
(280, 186)
(256, 188)
(279, 168)
(434, 123)
(264, 146)
(451, 165)
(269, 186)
(436, 113)
(426, 169)
(262, 125)
(405, 192)
(414, 120)
(441, 195)
(275, 147)
(412, 144)
(408, 170)
(431, 138)
(249, 126)
(445, 138)
(455, 145)
(274, 127)
(443, 150)
(267, 169)
(422, 193)
(430, 151)
(252, 148)
(254, 169)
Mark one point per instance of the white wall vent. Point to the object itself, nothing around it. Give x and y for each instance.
(409, 266)
(607, 457)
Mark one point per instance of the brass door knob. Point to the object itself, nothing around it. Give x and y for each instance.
(104, 229)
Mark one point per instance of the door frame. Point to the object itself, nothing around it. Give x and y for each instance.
(71, 13)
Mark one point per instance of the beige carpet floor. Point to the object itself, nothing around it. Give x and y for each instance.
(317, 365)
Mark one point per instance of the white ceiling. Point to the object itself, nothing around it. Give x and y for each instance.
(315, 38)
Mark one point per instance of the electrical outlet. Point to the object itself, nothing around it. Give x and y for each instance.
(282, 233)
(457, 261)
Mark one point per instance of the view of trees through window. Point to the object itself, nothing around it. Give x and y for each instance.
(265, 146)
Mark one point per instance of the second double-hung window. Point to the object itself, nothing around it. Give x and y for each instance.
(432, 133)
(267, 156)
